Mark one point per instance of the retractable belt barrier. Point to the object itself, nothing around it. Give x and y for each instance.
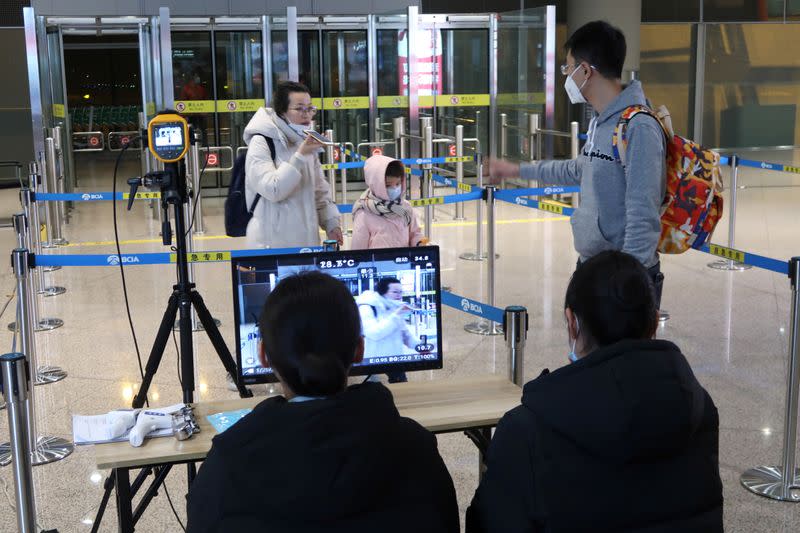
(747, 258)
(472, 307)
(93, 196)
(518, 197)
(415, 161)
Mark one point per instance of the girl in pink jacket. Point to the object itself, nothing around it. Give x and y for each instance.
(381, 217)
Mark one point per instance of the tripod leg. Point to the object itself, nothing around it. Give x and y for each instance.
(157, 352)
(219, 343)
(187, 348)
(108, 486)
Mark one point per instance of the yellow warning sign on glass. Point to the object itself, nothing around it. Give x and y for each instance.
(459, 159)
(142, 195)
(58, 110)
(345, 102)
(727, 253)
(330, 166)
(202, 257)
(456, 100)
(465, 187)
(521, 99)
(420, 202)
(794, 170)
(395, 101)
(551, 208)
(240, 106)
(195, 106)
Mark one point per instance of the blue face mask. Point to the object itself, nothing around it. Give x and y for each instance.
(394, 193)
(573, 357)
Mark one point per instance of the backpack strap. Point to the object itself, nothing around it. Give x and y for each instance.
(619, 142)
(271, 146)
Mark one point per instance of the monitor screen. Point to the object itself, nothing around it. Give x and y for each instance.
(397, 292)
(168, 136)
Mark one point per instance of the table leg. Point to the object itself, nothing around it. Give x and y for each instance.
(481, 437)
(124, 500)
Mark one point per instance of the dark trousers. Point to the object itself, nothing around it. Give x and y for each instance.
(658, 282)
(657, 278)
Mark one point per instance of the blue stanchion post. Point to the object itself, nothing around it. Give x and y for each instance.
(478, 254)
(488, 327)
(729, 264)
(783, 482)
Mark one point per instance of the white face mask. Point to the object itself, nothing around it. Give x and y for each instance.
(299, 129)
(394, 192)
(573, 91)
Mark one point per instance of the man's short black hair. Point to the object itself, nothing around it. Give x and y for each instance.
(601, 45)
(280, 98)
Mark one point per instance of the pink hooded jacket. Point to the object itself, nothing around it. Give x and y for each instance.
(374, 231)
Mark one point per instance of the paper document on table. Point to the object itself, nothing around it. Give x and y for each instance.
(98, 429)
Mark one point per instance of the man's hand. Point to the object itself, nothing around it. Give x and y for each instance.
(336, 233)
(495, 170)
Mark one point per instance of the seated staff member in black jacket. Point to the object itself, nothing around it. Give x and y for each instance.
(324, 457)
(623, 439)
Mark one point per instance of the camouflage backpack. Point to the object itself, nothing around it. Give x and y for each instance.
(692, 204)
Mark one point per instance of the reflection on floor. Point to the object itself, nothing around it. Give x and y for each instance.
(732, 326)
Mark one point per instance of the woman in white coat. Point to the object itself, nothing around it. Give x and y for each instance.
(295, 198)
(383, 322)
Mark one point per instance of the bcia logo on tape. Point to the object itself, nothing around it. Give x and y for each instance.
(470, 307)
(519, 200)
(87, 196)
(126, 259)
(767, 166)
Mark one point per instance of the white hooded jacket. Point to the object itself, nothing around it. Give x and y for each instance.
(295, 198)
(385, 332)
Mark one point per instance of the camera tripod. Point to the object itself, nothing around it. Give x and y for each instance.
(172, 183)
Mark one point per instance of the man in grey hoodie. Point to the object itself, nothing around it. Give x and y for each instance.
(620, 205)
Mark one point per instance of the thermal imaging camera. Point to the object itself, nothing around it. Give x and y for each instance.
(168, 137)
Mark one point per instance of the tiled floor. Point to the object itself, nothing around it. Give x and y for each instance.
(733, 327)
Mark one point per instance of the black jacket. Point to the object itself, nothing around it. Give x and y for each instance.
(348, 463)
(625, 439)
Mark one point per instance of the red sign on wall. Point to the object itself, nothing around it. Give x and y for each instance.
(212, 160)
(94, 141)
(452, 150)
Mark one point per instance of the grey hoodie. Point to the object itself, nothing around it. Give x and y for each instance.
(620, 207)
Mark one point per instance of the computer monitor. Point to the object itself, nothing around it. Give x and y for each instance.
(403, 282)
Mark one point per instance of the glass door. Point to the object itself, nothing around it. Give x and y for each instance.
(56, 90)
(390, 71)
(150, 85)
(91, 73)
(218, 77)
(345, 103)
(522, 85)
(463, 96)
(455, 80)
(239, 86)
